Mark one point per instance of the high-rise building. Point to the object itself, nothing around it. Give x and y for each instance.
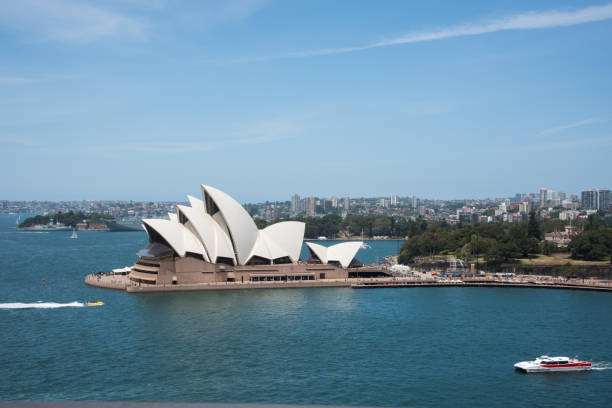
(546, 195)
(310, 210)
(524, 207)
(347, 203)
(589, 199)
(562, 196)
(295, 203)
(604, 199)
(394, 199)
(326, 205)
(414, 202)
(334, 202)
(596, 199)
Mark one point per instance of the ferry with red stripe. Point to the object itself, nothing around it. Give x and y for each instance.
(546, 364)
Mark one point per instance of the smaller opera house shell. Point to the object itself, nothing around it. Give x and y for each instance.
(216, 240)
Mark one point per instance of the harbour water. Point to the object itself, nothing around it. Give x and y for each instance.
(331, 346)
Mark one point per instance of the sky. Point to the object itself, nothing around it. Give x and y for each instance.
(148, 99)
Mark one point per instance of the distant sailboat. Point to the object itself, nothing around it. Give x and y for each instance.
(18, 218)
(363, 244)
(74, 234)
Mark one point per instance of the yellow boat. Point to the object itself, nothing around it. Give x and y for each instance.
(98, 303)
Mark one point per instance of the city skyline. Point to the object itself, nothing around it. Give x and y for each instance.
(144, 100)
(390, 196)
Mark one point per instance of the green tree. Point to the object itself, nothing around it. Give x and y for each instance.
(547, 247)
(533, 227)
(593, 245)
(382, 226)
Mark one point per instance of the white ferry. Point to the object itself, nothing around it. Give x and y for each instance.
(545, 364)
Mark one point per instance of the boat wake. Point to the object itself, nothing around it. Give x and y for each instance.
(40, 305)
(601, 365)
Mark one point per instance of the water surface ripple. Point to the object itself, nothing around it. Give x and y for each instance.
(383, 347)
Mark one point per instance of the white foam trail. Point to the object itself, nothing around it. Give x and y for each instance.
(39, 305)
(601, 365)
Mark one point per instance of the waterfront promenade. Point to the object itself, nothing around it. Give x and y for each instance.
(121, 282)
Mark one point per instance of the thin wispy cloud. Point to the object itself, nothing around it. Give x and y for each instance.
(532, 20)
(192, 147)
(19, 80)
(568, 144)
(557, 129)
(17, 141)
(241, 135)
(261, 132)
(16, 80)
(69, 21)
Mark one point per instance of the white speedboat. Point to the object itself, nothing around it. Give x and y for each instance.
(545, 364)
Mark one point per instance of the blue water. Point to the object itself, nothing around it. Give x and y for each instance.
(381, 347)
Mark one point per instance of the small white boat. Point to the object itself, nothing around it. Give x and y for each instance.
(546, 364)
(74, 234)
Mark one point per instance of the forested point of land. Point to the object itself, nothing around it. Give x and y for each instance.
(69, 218)
(497, 243)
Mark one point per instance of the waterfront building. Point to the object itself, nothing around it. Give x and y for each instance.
(216, 240)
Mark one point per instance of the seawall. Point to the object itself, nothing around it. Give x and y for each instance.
(107, 281)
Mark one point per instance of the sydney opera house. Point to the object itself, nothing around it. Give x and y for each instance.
(216, 240)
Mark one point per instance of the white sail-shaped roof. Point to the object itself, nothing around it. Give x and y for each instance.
(289, 235)
(176, 235)
(266, 247)
(319, 251)
(196, 204)
(219, 227)
(242, 230)
(215, 241)
(342, 253)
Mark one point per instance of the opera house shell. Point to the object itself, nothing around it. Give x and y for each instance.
(214, 239)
